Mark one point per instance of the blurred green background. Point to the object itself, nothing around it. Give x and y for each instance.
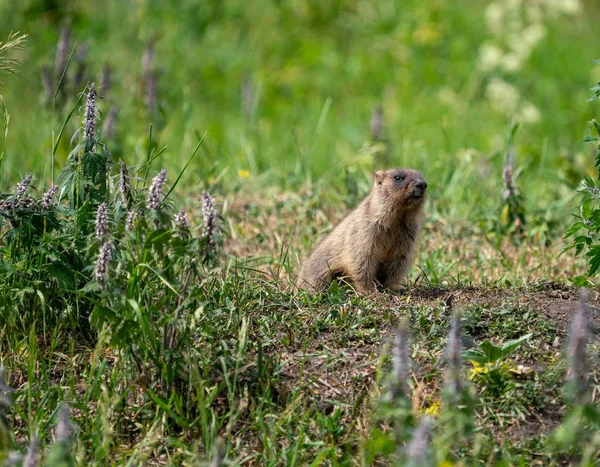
(286, 91)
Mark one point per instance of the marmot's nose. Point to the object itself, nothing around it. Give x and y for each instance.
(422, 185)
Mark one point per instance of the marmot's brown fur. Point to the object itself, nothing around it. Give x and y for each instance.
(376, 241)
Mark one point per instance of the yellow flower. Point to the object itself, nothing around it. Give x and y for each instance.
(244, 173)
(433, 409)
(478, 369)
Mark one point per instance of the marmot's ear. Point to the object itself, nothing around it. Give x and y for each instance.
(379, 176)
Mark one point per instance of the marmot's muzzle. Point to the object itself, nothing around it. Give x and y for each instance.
(419, 189)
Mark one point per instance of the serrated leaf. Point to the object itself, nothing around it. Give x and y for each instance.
(581, 281)
(62, 274)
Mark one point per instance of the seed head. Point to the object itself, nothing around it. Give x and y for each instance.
(110, 123)
(507, 175)
(48, 83)
(151, 93)
(155, 192)
(418, 447)
(32, 459)
(105, 80)
(210, 216)
(576, 350)
(248, 94)
(5, 392)
(14, 458)
(62, 51)
(89, 116)
(377, 123)
(104, 257)
(148, 57)
(400, 361)
(124, 186)
(454, 357)
(181, 220)
(102, 222)
(80, 60)
(218, 453)
(23, 185)
(149, 77)
(63, 426)
(48, 198)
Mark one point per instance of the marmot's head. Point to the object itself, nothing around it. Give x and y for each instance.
(405, 188)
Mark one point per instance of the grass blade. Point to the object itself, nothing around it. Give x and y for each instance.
(185, 167)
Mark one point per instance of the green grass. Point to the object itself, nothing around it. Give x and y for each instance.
(281, 96)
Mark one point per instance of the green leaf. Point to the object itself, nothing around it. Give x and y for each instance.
(474, 356)
(591, 414)
(162, 279)
(60, 455)
(62, 274)
(492, 353)
(143, 321)
(511, 345)
(581, 281)
(159, 237)
(163, 405)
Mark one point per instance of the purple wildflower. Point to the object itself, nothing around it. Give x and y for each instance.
(181, 220)
(23, 185)
(155, 192)
(48, 198)
(210, 216)
(400, 361)
(102, 222)
(104, 257)
(124, 188)
(418, 447)
(454, 356)
(89, 116)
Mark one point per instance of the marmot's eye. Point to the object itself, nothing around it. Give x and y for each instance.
(398, 178)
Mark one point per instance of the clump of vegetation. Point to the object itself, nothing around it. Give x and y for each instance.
(110, 258)
(131, 233)
(417, 439)
(585, 231)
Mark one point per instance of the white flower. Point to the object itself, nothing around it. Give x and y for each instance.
(503, 97)
(534, 12)
(448, 96)
(567, 7)
(570, 7)
(529, 113)
(533, 34)
(494, 18)
(511, 62)
(490, 56)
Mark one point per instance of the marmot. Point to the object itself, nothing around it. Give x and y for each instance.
(376, 241)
